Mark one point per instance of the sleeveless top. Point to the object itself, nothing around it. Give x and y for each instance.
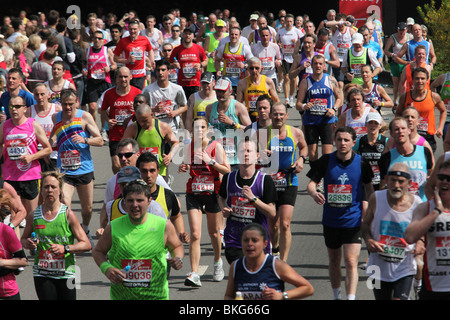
(320, 93)
(57, 231)
(152, 141)
(426, 107)
(445, 94)
(46, 123)
(141, 247)
(283, 151)
(356, 63)
(201, 104)
(19, 141)
(372, 95)
(342, 42)
(388, 227)
(409, 78)
(252, 93)
(412, 44)
(55, 96)
(251, 284)
(244, 212)
(230, 68)
(96, 62)
(325, 51)
(372, 153)
(343, 193)
(73, 158)
(359, 124)
(308, 71)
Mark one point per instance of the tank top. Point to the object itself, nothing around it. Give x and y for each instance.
(231, 60)
(152, 141)
(359, 125)
(356, 63)
(417, 163)
(412, 44)
(244, 212)
(96, 62)
(427, 121)
(204, 179)
(342, 42)
(343, 193)
(398, 46)
(57, 231)
(372, 153)
(436, 260)
(409, 78)
(55, 96)
(46, 124)
(325, 51)
(220, 130)
(73, 159)
(388, 227)
(445, 94)
(251, 284)
(284, 150)
(252, 93)
(19, 141)
(142, 247)
(320, 93)
(213, 44)
(308, 71)
(201, 104)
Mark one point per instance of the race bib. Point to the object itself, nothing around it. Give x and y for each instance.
(167, 107)
(16, 146)
(442, 251)
(140, 273)
(50, 264)
(394, 249)
(189, 70)
(243, 210)
(320, 107)
(203, 183)
(153, 150)
(279, 179)
(340, 195)
(70, 160)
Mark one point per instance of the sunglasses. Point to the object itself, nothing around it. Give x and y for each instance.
(16, 106)
(253, 68)
(125, 154)
(443, 177)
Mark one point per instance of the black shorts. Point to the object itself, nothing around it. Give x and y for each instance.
(288, 196)
(113, 148)
(338, 74)
(197, 201)
(314, 132)
(48, 166)
(77, 180)
(138, 82)
(95, 89)
(336, 237)
(286, 66)
(26, 189)
(399, 289)
(233, 253)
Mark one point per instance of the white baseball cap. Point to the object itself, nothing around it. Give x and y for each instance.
(374, 116)
(357, 38)
(222, 84)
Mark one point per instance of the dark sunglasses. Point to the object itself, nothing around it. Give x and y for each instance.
(443, 177)
(16, 106)
(125, 154)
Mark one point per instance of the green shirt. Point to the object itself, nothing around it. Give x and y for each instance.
(356, 63)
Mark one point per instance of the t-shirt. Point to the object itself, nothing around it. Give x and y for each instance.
(9, 243)
(188, 76)
(137, 48)
(6, 96)
(119, 109)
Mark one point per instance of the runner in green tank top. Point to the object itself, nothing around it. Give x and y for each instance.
(138, 240)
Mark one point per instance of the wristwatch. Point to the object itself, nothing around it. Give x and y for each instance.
(254, 200)
(285, 295)
(66, 249)
(212, 162)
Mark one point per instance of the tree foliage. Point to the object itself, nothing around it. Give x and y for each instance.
(437, 19)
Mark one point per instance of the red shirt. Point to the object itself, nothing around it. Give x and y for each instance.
(137, 48)
(120, 108)
(187, 58)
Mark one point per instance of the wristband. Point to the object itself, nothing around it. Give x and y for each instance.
(438, 210)
(105, 266)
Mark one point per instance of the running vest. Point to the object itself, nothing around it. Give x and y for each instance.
(427, 121)
(325, 51)
(213, 44)
(388, 227)
(305, 72)
(343, 193)
(284, 150)
(320, 93)
(356, 63)
(436, 258)
(417, 163)
(56, 231)
(152, 141)
(46, 124)
(201, 104)
(342, 42)
(231, 59)
(96, 62)
(55, 96)
(372, 153)
(445, 94)
(19, 141)
(73, 158)
(252, 93)
(409, 78)
(412, 44)
(372, 95)
(142, 247)
(359, 125)
(229, 143)
(251, 284)
(204, 179)
(244, 212)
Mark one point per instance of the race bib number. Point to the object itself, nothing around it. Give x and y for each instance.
(203, 183)
(152, 150)
(122, 115)
(50, 264)
(279, 179)
(340, 195)
(189, 70)
(70, 160)
(140, 273)
(394, 249)
(229, 146)
(342, 49)
(16, 146)
(243, 210)
(356, 69)
(422, 127)
(288, 49)
(166, 108)
(320, 107)
(267, 63)
(98, 74)
(137, 52)
(442, 251)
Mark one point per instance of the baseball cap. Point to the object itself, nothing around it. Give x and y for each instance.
(254, 17)
(222, 84)
(128, 174)
(374, 116)
(207, 77)
(201, 18)
(357, 38)
(410, 21)
(220, 23)
(402, 25)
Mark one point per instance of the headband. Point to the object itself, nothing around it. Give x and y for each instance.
(399, 174)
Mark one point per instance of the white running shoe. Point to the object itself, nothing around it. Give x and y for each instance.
(193, 280)
(218, 271)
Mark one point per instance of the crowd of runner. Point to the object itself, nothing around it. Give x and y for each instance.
(211, 96)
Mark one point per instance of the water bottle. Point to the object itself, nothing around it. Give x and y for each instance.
(2, 112)
(239, 296)
(34, 239)
(125, 270)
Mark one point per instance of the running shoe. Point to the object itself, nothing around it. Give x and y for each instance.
(193, 280)
(218, 271)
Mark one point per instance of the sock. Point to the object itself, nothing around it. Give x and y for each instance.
(337, 293)
(351, 297)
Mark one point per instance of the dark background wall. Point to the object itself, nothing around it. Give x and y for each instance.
(393, 10)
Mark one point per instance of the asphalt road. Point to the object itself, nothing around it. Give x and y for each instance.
(308, 254)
